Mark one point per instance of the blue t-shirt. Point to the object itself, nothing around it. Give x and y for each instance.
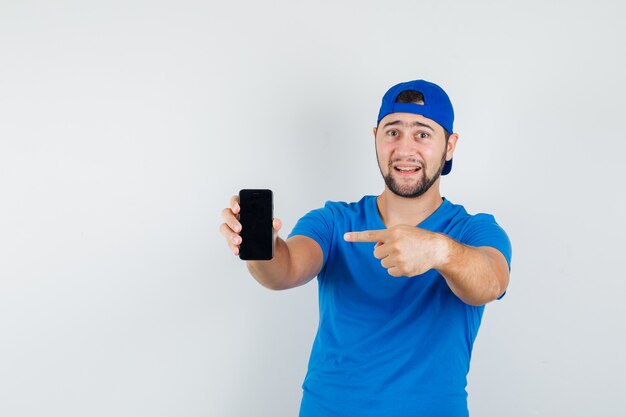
(389, 346)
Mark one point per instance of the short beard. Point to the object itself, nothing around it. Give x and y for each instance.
(412, 190)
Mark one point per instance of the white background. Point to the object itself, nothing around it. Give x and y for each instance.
(125, 126)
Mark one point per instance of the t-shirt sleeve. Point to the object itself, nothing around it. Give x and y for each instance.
(318, 225)
(482, 230)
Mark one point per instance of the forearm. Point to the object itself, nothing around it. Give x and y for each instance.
(475, 275)
(273, 274)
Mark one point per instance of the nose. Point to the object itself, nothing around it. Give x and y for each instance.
(406, 147)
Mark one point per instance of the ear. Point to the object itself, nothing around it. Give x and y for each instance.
(375, 129)
(451, 145)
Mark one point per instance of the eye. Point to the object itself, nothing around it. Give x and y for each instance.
(423, 135)
(392, 133)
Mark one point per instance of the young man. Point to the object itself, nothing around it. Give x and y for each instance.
(403, 277)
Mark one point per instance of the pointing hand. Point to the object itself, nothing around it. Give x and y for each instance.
(404, 250)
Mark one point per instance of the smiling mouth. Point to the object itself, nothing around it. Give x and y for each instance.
(407, 170)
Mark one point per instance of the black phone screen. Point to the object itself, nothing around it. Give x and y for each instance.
(256, 217)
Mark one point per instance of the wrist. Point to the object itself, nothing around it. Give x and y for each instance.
(443, 245)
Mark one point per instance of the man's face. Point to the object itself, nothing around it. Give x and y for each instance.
(411, 151)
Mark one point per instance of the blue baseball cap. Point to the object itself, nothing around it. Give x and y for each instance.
(437, 106)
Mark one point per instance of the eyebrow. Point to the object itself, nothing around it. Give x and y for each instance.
(416, 123)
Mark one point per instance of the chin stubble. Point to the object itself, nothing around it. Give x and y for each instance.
(412, 190)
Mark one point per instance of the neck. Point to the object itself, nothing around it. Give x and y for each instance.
(396, 210)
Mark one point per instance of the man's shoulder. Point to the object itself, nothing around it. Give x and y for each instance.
(346, 212)
(460, 213)
(355, 206)
(456, 221)
(336, 215)
(479, 229)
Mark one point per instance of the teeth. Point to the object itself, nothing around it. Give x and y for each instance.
(406, 169)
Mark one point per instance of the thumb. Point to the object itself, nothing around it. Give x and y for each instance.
(277, 224)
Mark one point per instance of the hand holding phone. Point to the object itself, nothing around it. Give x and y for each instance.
(256, 221)
(231, 229)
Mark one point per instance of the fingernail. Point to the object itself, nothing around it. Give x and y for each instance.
(346, 236)
(235, 238)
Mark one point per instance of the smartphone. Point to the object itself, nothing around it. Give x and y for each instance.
(256, 217)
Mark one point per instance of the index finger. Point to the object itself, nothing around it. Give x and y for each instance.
(366, 236)
(234, 204)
